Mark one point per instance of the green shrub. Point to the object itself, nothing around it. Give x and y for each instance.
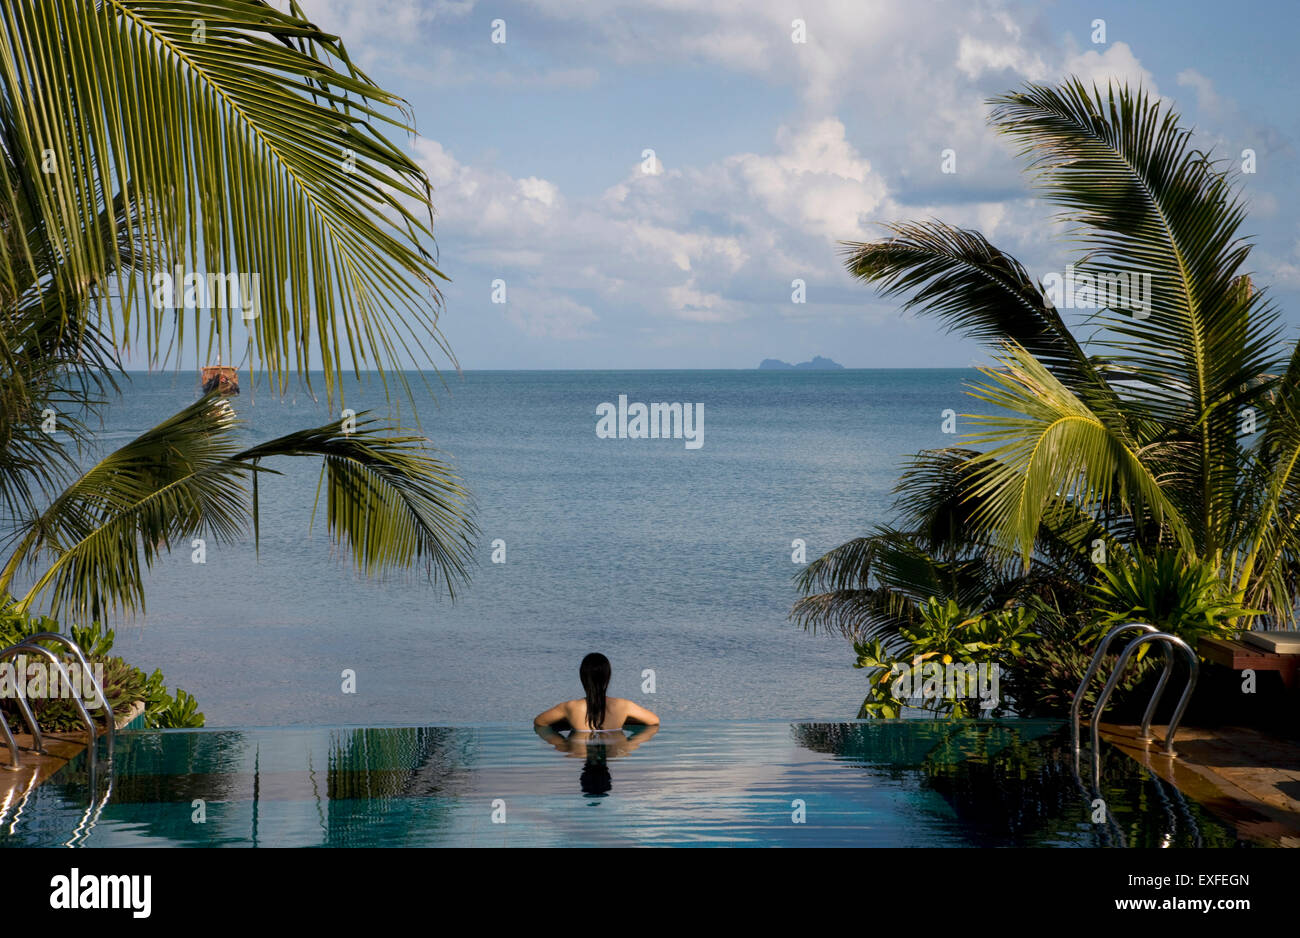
(124, 684)
(945, 635)
(1041, 681)
(1182, 595)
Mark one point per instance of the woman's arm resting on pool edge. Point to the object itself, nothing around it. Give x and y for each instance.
(639, 714)
(554, 715)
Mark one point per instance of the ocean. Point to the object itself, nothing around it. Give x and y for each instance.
(674, 561)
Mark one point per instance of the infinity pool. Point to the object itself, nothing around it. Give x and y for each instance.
(904, 783)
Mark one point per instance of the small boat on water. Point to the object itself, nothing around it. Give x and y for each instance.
(221, 378)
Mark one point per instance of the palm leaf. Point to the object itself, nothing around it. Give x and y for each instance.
(1049, 445)
(390, 501)
(53, 358)
(1141, 200)
(256, 144)
(389, 498)
(957, 275)
(175, 481)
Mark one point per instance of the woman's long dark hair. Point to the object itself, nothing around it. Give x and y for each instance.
(595, 678)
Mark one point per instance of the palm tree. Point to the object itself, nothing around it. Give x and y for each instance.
(1113, 453)
(225, 136)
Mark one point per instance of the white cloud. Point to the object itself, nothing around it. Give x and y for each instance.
(879, 90)
(694, 305)
(817, 182)
(683, 249)
(490, 202)
(401, 36)
(1116, 63)
(544, 314)
(644, 244)
(977, 56)
(1208, 101)
(374, 22)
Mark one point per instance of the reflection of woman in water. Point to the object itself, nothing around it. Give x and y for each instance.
(595, 778)
(597, 724)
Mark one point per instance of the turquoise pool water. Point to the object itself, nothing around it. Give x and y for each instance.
(906, 783)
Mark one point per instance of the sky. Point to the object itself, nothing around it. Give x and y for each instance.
(768, 153)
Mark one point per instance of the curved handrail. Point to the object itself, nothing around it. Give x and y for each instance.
(1145, 734)
(72, 646)
(63, 674)
(1193, 669)
(38, 744)
(1098, 655)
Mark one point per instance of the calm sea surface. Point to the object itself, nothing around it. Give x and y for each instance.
(664, 558)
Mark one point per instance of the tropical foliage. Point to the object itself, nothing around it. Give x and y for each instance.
(141, 140)
(1137, 459)
(124, 684)
(234, 137)
(1176, 593)
(225, 137)
(953, 665)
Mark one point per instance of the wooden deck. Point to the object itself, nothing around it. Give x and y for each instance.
(36, 767)
(1245, 777)
(60, 748)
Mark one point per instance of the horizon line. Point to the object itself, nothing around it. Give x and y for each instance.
(372, 371)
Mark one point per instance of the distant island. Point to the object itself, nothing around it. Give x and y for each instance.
(817, 364)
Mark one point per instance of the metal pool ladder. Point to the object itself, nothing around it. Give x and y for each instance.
(1152, 635)
(28, 646)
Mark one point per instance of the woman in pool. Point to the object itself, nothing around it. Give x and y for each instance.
(596, 713)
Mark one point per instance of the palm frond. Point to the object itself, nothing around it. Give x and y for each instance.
(1142, 201)
(390, 499)
(1049, 445)
(870, 586)
(256, 143)
(175, 481)
(957, 275)
(55, 362)
(1269, 534)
